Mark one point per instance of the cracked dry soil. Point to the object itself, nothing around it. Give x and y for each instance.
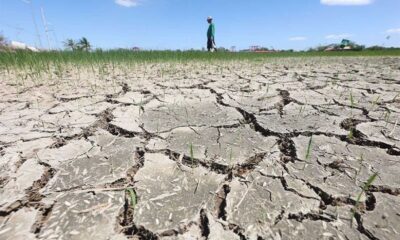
(203, 151)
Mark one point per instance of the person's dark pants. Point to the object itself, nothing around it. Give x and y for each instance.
(210, 44)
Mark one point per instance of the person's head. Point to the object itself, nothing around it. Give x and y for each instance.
(209, 19)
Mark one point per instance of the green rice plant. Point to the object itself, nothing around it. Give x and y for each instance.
(141, 106)
(308, 152)
(191, 153)
(395, 97)
(360, 160)
(300, 110)
(352, 102)
(132, 196)
(375, 102)
(43, 61)
(364, 189)
(351, 134)
(387, 116)
(394, 128)
(187, 116)
(59, 70)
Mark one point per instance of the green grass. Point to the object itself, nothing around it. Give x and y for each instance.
(352, 102)
(387, 116)
(364, 189)
(351, 134)
(361, 160)
(133, 198)
(308, 152)
(43, 60)
(375, 102)
(191, 153)
(395, 97)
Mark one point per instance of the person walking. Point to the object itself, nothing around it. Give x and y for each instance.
(211, 35)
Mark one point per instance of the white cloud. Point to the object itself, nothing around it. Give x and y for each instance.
(297, 39)
(346, 2)
(338, 36)
(127, 3)
(393, 30)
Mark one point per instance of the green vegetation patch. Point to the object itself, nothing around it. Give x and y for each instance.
(43, 59)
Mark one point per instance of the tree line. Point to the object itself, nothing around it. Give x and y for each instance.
(78, 45)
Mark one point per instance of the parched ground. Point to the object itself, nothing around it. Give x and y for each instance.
(225, 150)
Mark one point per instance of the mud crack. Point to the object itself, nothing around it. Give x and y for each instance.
(220, 210)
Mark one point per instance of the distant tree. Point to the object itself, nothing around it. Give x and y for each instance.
(70, 44)
(376, 47)
(262, 49)
(222, 49)
(84, 44)
(358, 47)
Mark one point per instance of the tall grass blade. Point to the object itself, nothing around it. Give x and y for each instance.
(191, 153)
(308, 153)
(364, 189)
(133, 198)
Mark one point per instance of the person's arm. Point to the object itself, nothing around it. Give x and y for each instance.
(213, 31)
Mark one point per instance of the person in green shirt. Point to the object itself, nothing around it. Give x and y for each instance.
(211, 35)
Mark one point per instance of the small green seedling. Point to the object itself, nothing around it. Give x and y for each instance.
(361, 160)
(375, 102)
(352, 99)
(387, 116)
(395, 97)
(132, 195)
(351, 134)
(308, 152)
(141, 106)
(300, 110)
(191, 153)
(394, 128)
(364, 189)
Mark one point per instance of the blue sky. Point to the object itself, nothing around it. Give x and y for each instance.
(181, 24)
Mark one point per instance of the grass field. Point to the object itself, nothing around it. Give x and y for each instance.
(42, 60)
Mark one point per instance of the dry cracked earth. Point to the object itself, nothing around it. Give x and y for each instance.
(226, 150)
